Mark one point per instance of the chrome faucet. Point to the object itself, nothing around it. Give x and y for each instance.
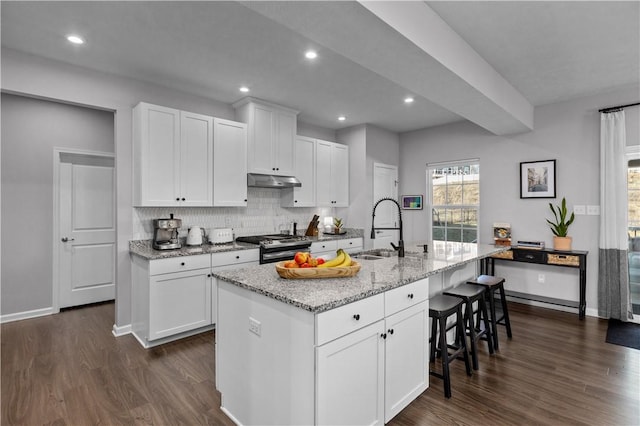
(400, 247)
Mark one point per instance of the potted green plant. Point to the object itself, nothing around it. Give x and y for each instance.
(337, 225)
(560, 227)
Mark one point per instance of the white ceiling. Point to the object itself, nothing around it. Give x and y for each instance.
(546, 51)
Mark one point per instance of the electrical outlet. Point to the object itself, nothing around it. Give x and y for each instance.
(254, 326)
(579, 209)
(541, 278)
(593, 210)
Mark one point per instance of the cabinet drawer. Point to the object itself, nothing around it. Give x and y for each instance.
(350, 244)
(408, 295)
(563, 259)
(533, 256)
(178, 264)
(324, 246)
(345, 319)
(235, 257)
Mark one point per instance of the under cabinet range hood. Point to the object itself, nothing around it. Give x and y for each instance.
(271, 181)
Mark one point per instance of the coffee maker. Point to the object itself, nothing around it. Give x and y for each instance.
(165, 233)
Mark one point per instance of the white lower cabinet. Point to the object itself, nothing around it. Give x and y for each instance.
(328, 248)
(369, 375)
(179, 302)
(350, 245)
(406, 358)
(177, 297)
(350, 378)
(171, 298)
(229, 260)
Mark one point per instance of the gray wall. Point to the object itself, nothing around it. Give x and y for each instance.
(31, 128)
(568, 132)
(37, 76)
(316, 132)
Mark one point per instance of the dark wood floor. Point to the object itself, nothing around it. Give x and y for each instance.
(69, 369)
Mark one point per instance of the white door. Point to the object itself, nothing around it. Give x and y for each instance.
(86, 234)
(385, 184)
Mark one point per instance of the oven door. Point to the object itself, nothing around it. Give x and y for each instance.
(273, 256)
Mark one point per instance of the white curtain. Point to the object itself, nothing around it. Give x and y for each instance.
(613, 277)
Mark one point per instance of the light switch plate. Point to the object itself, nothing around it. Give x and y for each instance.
(579, 209)
(593, 210)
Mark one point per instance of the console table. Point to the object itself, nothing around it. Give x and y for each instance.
(569, 259)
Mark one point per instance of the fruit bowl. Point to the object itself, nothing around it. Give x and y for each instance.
(310, 273)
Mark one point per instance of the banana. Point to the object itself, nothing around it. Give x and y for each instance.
(347, 259)
(335, 261)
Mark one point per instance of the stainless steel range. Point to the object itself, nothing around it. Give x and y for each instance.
(277, 247)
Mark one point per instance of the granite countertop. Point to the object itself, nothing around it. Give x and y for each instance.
(144, 248)
(375, 276)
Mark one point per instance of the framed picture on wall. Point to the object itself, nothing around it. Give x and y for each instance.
(412, 202)
(538, 179)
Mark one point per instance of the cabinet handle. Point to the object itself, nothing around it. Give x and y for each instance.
(390, 331)
(295, 201)
(383, 335)
(245, 200)
(208, 275)
(356, 317)
(273, 168)
(277, 168)
(182, 264)
(183, 199)
(238, 257)
(177, 198)
(65, 239)
(410, 295)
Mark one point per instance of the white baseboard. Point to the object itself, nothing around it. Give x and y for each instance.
(590, 312)
(28, 314)
(122, 330)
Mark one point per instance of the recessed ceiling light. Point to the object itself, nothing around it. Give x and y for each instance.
(408, 100)
(310, 54)
(342, 118)
(75, 39)
(244, 89)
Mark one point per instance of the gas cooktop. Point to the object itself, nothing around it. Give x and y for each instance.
(273, 239)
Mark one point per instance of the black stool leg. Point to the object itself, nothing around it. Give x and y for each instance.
(468, 318)
(505, 311)
(434, 331)
(484, 316)
(462, 341)
(494, 324)
(444, 354)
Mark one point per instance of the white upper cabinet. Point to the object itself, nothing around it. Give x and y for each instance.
(229, 163)
(332, 174)
(305, 171)
(173, 157)
(271, 136)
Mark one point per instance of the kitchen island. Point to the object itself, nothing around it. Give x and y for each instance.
(325, 351)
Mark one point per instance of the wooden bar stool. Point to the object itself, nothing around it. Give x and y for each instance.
(471, 294)
(440, 309)
(492, 285)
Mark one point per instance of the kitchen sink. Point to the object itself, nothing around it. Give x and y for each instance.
(375, 254)
(366, 257)
(381, 252)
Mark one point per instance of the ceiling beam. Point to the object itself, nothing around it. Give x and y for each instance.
(404, 42)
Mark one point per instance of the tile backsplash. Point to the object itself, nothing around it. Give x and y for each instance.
(263, 215)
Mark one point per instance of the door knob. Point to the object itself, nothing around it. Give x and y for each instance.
(65, 239)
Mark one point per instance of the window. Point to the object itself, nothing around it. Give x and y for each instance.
(454, 196)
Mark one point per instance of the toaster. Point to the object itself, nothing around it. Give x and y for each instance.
(220, 235)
